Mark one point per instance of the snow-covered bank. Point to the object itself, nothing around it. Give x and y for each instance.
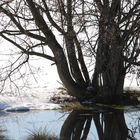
(26, 102)
(37, 101)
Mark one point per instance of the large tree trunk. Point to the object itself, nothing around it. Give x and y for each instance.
(109, 71)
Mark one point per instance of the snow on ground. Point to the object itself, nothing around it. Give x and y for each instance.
(38, 100)
(39, 73)
(24, 102)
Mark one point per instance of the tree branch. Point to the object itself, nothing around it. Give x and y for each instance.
(130, 13)
(21, 29)
(40, 22)
(99, 4)
(51, 19)
(27, 51)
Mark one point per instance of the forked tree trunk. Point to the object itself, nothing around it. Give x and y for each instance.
(74, 84)
(74, 89)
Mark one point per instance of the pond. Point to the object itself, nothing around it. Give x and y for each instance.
(110, 124)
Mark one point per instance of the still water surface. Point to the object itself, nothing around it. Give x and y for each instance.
(74, 125)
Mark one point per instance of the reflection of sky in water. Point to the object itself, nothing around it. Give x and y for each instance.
(133, 122)
(20, 125)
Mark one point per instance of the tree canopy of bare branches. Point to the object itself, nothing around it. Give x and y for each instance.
(106, 31)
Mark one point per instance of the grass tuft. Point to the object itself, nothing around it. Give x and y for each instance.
(41, 135)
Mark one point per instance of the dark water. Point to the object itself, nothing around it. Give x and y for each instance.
(74, 125)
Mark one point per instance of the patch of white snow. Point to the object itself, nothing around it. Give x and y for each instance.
(25, 102)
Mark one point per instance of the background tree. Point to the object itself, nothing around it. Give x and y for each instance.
(106, 31)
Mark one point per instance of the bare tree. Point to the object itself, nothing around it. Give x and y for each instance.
(107, 31)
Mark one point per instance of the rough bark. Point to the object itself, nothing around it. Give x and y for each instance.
(109, 71)
(71, 52)
(73, 88)
(75, 69)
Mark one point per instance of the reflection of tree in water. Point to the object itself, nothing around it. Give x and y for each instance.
(2, 134)
(109, 126)
(76, 126)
